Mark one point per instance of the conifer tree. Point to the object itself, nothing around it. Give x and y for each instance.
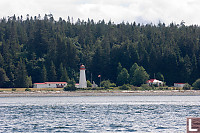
(64, 77)
(43, 74)
(52, 73)
(123, 77)
(3, 78)
(140, 76)
(119, 68)
(21, 75)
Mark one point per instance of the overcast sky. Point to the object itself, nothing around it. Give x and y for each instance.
(140, 11)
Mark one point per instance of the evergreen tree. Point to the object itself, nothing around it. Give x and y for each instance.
(52, 73)
(119, 68)
(43, 74)
(60, 71)
(21, 75)
(123, 77)
(171, 50)
(1, 61)
(3, 78)
(160, 76)
(64, 76)
(132, 70)
(28, 82)
(140, 76)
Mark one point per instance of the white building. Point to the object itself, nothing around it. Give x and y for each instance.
(179, 84)
(155, 82)
(82, 79)
(77, 85)
(50, 85)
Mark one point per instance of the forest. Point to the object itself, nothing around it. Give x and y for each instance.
(39, 49)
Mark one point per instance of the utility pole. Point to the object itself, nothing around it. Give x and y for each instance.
(91, 77)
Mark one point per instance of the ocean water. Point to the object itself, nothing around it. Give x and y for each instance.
(97, 113)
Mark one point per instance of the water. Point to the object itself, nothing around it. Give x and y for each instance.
(97, 113)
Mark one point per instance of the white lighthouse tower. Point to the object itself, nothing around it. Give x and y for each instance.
(82, 79)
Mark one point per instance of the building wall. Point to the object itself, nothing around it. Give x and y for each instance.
(48, 85)
(178, 85)
(39, 86)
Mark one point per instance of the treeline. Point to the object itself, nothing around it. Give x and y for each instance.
(39, 49)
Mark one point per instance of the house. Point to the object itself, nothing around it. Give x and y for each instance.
(77, 85)
(50, 85)
(155, 82)
(179, 84)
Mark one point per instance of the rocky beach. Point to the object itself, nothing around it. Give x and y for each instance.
(100, 93)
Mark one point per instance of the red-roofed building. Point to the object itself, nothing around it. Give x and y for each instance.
(50, 85)
(154, 82)
(179, 84)
(77, 85)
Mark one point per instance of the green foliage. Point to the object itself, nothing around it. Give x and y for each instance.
(49, 50)
(112, 85)
(70, 86)
(89, 84)
(43, 74)
(187, 87)
(196, 84)
(21, 79)
(106, 84)
(3, 77)
(125, 87)
(119, 68)
(123, 77)
(139, 77)
(13, 89)
(28, 81)
(160, 76)
(146, 87)
(52, 73)
(27, 89)
(132, 70)
(64, 76)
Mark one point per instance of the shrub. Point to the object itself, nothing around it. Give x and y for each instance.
(70, 87)
(112, 85)
(125, 87)
(27, 89)
(106, 84)
(186, 87)
(89, 84)
(13, 89)
(145, 87)
(196, 84)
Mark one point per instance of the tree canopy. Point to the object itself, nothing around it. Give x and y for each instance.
(43, 49)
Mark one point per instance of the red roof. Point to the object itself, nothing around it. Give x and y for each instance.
(82, 67)
(52, 83)
(150, 81)
(55, 82)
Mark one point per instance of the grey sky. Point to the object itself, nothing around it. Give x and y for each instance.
(141, 11)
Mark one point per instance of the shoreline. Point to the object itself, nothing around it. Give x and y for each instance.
(101, 93)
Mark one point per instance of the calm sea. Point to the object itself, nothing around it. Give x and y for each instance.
(97, 113)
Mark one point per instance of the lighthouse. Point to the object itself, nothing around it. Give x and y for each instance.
(82, 79)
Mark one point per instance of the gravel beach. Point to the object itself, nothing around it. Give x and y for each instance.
(101, 93)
